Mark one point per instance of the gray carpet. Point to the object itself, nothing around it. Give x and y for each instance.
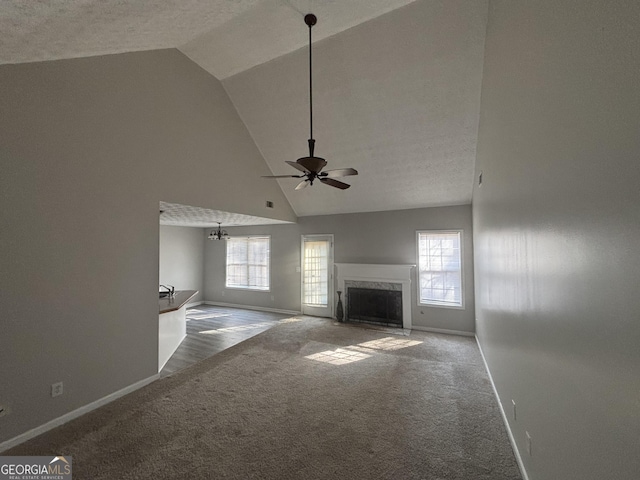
(368, 404)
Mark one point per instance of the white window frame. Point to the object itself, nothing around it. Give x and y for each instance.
(436, 303)
(226, 266)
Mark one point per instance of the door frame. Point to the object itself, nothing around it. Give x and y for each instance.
(330, 281)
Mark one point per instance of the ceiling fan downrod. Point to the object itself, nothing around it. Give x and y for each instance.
(310, 19)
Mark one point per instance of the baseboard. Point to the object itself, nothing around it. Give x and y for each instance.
(512, 439)
(442, 330)
(194, 304)
(251, 307)
(67, 417)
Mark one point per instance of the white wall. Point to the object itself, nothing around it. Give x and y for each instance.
(378, 237)
(89, 148)
(556, 225)
(182, 259)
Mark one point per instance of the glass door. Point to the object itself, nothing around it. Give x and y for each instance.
(317, 275)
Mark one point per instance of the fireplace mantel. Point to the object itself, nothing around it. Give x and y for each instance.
(363, 272)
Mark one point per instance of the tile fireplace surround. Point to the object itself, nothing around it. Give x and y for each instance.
(374, 276)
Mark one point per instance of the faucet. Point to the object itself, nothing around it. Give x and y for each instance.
(172, 290)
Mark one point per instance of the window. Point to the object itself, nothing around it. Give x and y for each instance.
(248, 262)
(440, 268)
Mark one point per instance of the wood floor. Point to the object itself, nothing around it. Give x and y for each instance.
(211, 329)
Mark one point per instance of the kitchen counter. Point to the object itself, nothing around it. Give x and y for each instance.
(172, 323)
(179, 300)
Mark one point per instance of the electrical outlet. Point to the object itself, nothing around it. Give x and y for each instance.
(514, 409)
(528, 442)
(56, 389)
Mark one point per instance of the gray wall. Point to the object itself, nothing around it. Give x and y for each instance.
(557, 229)
(285, 257)
(379, 237)
(89, 147)
(182, 259)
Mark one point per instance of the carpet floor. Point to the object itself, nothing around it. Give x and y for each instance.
(306, 399)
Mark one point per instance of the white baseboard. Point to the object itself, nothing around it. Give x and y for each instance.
(442, 330)
(56, 422)
(512, 439)
(251, 307)
(194, 304)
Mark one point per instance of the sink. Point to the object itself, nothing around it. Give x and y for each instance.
(163, 294)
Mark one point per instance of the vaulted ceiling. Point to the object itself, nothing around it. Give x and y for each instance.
(396, 82)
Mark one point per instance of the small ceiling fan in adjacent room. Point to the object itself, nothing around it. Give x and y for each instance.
(311, 166)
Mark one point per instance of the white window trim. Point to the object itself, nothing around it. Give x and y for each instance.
(462, 282)
(251, 289)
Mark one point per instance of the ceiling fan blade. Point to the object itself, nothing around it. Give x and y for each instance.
(302, 184)
(282, 176)
(312, 164)
(335, 183)
(297, 166)
(340, 172)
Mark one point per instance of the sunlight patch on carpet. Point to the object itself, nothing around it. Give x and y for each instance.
(338, 356)
(290, 320)
(363, 349)
(238, 328)
(389, 343)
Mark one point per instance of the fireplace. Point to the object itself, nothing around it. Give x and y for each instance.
(382, 292)
(374, 305)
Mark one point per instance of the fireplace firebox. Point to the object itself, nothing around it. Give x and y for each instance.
(377, 277)
(375, 306)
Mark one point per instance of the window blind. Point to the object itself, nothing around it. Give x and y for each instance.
(439, 268)
(248, 262)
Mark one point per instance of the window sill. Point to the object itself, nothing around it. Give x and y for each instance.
(442, 305)
(249, 289)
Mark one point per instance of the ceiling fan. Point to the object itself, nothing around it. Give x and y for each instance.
(311, 166)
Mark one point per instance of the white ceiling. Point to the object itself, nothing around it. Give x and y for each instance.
(396, 82)
(174, 214)
(223, 36)
(397, 98)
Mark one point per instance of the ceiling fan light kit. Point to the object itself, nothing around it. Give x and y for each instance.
(311, 166)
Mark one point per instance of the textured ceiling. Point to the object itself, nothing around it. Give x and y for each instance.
(223, 36)
(396, 98)
(189, 216)
(276, 27)
(37, 30)
(396, 82)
